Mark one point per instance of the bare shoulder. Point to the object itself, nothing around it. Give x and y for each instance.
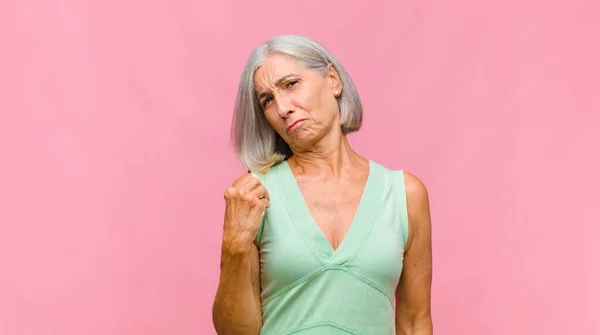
(417, 205)
(416, 191)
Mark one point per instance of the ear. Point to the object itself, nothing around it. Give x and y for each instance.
(334, 78)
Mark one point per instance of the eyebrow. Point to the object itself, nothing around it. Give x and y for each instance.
(278, 83)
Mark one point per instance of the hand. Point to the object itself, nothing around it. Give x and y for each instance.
(245, 203)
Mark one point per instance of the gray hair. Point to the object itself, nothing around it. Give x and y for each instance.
(256, 143)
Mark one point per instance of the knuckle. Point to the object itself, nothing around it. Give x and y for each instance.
(256, 181)
(230, 192)
(248, 198)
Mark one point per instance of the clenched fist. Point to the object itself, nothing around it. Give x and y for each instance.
(245, 203)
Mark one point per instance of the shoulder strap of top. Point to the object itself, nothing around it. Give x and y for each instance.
(400, 188)
(262, 179)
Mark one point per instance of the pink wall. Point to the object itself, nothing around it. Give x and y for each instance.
(114, 153)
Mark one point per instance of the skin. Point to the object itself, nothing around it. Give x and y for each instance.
(332, 177)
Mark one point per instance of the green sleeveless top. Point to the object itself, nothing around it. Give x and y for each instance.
(306, 286)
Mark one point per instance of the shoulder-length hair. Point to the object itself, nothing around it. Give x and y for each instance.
(256, 143)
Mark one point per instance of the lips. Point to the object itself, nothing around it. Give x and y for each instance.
(293, 124)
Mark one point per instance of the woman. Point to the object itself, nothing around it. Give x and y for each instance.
(317, 239)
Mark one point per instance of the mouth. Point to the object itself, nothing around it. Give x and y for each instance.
(294, 124)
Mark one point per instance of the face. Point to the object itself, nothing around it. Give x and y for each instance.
(299, 103)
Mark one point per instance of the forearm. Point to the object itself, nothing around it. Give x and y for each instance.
(417, 326)
(236, 310)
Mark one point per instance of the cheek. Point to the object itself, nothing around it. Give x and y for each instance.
(311, 101)
(274, 120)
(325, 106)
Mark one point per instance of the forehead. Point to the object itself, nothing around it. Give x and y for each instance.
(275, 67)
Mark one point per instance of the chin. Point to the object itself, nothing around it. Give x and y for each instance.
(303, 139)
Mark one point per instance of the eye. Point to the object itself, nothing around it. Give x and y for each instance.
(266, 102)
(291, 83)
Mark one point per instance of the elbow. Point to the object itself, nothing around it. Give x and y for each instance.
(223, 328)
(236, 330)
(226, 323)
(415, 324)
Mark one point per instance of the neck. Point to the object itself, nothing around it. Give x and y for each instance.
(328, 158)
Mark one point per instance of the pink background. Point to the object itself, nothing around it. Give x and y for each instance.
(114, 153)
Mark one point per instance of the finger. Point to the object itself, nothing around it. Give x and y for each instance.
(261, 192)
(242, 180)
(265, 203)
(250, 185)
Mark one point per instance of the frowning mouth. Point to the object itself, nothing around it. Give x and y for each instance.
(294, 124)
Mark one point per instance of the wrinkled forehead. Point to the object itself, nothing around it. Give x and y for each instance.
(274, 68)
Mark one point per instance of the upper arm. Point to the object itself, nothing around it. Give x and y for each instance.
(255, 252)
(255, 276)
(413, 293)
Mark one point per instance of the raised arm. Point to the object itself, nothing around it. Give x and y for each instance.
(236, 308)
(413, 294)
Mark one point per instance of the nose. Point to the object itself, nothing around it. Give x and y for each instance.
(285, 107)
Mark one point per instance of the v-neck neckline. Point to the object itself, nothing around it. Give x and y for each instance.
(311, 232)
